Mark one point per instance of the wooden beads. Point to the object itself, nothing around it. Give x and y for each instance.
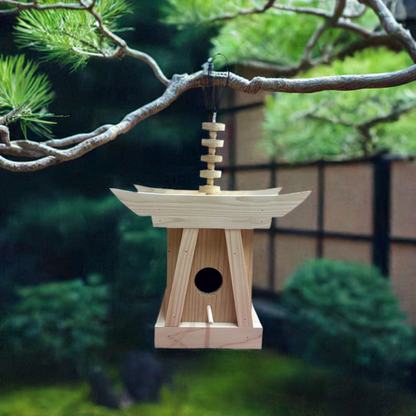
(212, 143)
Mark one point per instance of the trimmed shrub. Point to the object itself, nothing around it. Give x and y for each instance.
(60, 323)
(345, 314)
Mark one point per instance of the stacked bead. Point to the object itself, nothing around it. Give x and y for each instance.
(211, 158)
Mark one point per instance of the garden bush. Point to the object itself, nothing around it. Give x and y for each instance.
(138, 283)
(345, 314)
(62, 323)
(58, 240)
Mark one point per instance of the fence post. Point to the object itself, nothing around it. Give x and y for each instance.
(381, 213)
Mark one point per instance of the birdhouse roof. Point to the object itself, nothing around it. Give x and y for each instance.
(191, 209)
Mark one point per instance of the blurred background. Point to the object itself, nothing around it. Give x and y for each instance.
(82, 278)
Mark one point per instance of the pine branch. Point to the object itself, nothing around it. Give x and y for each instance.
(20, 6)
(83, 144)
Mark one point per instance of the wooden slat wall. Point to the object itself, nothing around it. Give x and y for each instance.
(349, 198)
(403, 226)
(348, 207)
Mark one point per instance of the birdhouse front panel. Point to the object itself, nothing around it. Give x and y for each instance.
(209, 282)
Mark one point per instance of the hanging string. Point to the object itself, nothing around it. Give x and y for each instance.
(209, 91)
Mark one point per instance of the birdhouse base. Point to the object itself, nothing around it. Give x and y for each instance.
(223, 335)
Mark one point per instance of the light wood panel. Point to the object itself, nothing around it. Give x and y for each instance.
(211, 223)
(239, 277)
(173, 243)
(178, 205)
(204, 335)
(268, 191)
(247, 238)
(181, 277)
(210, 251)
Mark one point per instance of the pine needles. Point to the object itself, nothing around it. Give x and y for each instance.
(21, 87)
(70, 37)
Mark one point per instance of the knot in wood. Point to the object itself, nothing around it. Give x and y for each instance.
(254, 85)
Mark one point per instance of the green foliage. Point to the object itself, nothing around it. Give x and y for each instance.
(302, 127)
(233, 383)
(63, 320)
(67, 237)
(67, 36)
(292, 133)
(263, 37)
(21, 87)
(140, 280)
(63, 239)
(350, 317)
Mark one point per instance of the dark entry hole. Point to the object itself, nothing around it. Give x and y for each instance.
(208, 280)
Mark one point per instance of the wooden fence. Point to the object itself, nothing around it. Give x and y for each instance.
(361, 210)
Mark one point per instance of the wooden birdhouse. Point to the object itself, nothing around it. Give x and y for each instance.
(207, 303)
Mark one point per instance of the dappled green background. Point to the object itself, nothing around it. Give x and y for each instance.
(81, 277)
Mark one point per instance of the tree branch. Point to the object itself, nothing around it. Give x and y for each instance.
(338, 11)
(392, 27)
(243, 12)
(84, 143)
(20, 6)
(304, 10)
(123, 48)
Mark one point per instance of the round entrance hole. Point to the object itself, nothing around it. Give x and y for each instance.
(208, 280)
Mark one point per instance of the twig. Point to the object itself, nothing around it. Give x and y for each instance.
(243, 12)
(123, 48)
(304, 10)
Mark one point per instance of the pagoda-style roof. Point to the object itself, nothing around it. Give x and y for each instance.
(192, 209)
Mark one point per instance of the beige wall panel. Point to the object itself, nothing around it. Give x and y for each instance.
(403, 278)
(224, 182)
(296, 180)
(261, 263)
(291, 251)
(349, 198)
(347, 250)
(248, 135)
(242, 98)
(226, 135)
(403, 199)
(253, 180)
